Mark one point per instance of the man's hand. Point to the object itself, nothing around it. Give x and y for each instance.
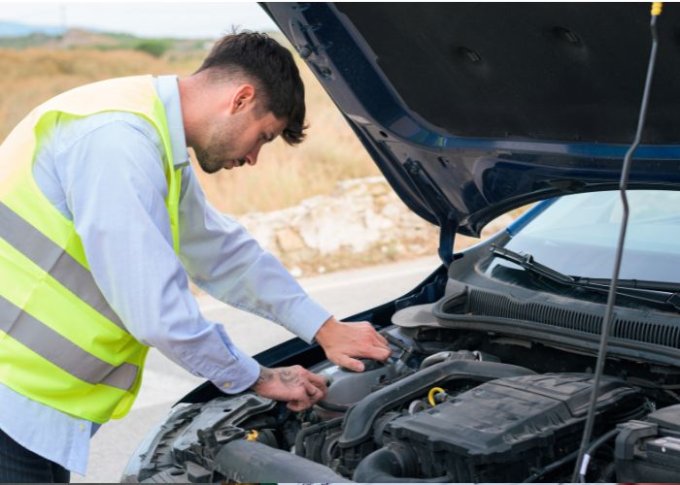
(345, 342)
(295, 384)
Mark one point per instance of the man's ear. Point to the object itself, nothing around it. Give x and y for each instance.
(243, 98)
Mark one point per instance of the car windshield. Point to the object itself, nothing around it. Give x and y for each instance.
(577, 235)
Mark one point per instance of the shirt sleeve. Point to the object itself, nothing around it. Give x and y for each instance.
(115, 190)
(223, 259)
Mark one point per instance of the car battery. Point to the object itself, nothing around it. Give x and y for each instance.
(649, 451)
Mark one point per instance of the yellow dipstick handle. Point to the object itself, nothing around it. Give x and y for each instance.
(656, 8)
(252, 435)
(433, 392)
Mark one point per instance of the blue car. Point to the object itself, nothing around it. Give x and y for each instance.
(500, 372)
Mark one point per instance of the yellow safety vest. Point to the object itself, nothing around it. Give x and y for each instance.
(60, 342)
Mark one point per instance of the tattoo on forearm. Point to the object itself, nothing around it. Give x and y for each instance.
(288, 377)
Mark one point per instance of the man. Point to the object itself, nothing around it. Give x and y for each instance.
(101, 222)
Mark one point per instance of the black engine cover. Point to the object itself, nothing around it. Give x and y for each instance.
(505, 429)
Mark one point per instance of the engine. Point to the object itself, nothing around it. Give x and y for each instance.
(441, 410)
(461, 420)
(501, 430)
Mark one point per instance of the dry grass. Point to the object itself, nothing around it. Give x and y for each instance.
(34, 75)
(283, 177)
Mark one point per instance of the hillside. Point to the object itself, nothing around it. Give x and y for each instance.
(16, 30)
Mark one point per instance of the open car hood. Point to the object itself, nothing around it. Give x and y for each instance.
(470, 110)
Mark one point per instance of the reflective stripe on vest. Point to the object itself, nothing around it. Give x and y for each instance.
(52, 258)
(61, 344)
(60, 351)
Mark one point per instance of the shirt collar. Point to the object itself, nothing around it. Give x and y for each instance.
(168, 92)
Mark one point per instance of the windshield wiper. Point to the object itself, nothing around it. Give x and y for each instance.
(635, 283)
(657, 293)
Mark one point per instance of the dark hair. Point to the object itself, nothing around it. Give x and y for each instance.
(272, 69)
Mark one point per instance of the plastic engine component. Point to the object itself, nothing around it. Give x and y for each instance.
(649, 450)
(359, 420)
(484, 435)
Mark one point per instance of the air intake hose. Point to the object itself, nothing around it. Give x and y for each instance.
(244, 461)
(391, 464)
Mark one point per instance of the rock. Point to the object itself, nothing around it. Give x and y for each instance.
(362, 221)
(288, 240)
(296, 272)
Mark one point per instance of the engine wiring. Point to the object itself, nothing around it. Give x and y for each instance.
(581, 463)
(668, 389)
(591, 449)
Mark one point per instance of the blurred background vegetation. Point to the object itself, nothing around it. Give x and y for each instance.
(34, 68)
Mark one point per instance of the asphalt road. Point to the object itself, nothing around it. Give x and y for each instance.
(343, 293)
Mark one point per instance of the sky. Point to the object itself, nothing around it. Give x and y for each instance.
(191, 19)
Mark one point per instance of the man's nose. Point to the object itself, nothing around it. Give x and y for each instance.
(252, 156)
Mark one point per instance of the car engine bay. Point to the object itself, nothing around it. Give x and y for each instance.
(450, 405)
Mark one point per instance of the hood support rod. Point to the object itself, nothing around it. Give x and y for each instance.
(438, 205)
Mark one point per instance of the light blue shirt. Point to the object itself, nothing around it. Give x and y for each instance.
(105, 172)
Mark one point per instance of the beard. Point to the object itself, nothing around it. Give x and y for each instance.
(209, 163)
(218, 152)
